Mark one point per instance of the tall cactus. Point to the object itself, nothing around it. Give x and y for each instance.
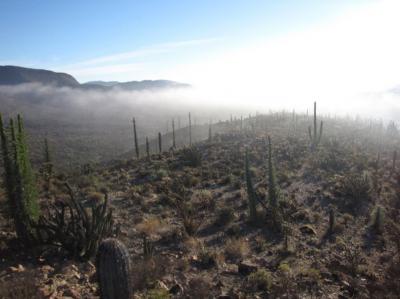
(114, 270)
(315, 137)
(251, 194)
(135, 137)
(173, 134)
(47, 165)
(20, 180)
(272, 188)
(190, 130)
(147, 148)
(209, 133)
(159, 142)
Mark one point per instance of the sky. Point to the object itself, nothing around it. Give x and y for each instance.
(340, 52)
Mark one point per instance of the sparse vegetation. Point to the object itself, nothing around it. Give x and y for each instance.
(253, 213)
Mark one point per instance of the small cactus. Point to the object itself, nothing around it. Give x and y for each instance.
(113, 270)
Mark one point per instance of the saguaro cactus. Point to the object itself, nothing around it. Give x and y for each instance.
(135, 137)
(331, 221)
(113, 270)
(272, 188)
(173, 134)
(147, 148)
(315, 138)
(394, 162)
(209, 133)
(159, 142)
(251, 194)
(190, 130)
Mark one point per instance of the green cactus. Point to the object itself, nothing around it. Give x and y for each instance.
(173, 134)
(47, 165)
(251, 194)
(273, 192)
(79, 234)
(332, 221)
(190, 130)
(159, 143)
(20, 181)
(135, 137)
(113, 270)
(147, 148)
(209, 133)
(315, 137)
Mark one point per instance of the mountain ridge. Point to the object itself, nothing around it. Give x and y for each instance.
(15, 75)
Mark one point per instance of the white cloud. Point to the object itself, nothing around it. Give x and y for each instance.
(334, 63)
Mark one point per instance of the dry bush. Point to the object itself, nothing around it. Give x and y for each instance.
(225, 216)
(23, 286)
(148, 271)
(199, 287)
(203, 199)
(260, 280)
(149, 226)
(236, 249)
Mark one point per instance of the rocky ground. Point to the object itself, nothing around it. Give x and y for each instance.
(337, 236)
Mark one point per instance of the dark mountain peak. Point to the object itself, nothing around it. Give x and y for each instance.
(13, 75)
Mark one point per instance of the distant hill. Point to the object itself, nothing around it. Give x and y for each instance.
(136, 85)
(14, 75)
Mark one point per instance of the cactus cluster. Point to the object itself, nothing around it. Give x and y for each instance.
(19, 180)
(114, 270)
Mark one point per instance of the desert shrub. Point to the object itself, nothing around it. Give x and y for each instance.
(149, 226)
(199, 287)
(356, 190)
(203, 199)
(236, 249)
(190, 181)
(94, 198)
(23, 286)
(260, 280)
(157, 294)
(191, 157)
(225, 216)
(148, 271)
(207, 258)
(234, 230)
(158, 174)
(187, 214)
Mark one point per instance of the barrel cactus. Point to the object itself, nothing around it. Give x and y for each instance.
(113, 270)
